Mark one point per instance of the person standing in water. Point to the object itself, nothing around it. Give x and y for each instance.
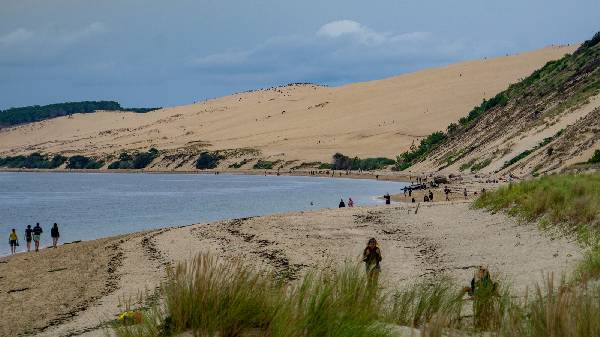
(37, 233)
(372, 257)
(54, 234)
(350, 202)
(28, 233)
(13, 241)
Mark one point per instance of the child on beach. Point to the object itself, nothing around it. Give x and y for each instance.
(28, 234)
(37, 232)
(13, 241)
(371, 258)
(54, 234)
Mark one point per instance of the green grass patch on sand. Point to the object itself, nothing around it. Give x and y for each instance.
(33, 161)
(595, 158)
(568, 202)
(137, 160)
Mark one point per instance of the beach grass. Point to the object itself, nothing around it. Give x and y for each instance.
(570, 203)
(206, 297)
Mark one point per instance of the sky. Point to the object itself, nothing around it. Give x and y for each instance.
(147, 53)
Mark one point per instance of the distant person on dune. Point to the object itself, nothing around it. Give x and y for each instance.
(28, 234)
(465, 193)
(350, 202)
(372, 257)
(13, 241)
(37, 233)
(342, 204)
(54, 234)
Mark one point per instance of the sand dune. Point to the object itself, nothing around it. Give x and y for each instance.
(296, 122)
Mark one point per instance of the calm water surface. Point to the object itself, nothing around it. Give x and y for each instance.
(92, 205)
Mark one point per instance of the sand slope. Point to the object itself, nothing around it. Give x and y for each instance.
(296, 122)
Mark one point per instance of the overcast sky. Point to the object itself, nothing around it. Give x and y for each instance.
(164, 53)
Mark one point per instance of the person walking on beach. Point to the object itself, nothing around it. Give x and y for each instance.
(372, 257)
(387, 198)
(54, 234)
(28, 233)
(342, 204)
(13, 241)
(37, 232)
(430, 195)
(447, 192)
(350, 202)
(465, 193)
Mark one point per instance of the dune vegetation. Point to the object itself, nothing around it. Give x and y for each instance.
(207, 297)
(570, 203)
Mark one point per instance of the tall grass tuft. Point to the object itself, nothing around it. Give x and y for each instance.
(227, 298)
(419, 303)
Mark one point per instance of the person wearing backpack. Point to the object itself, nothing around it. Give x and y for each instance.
(55, 235)
(13, 241)
(28, 234)
(37, 232)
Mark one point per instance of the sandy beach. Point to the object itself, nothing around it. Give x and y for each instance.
(75, 289)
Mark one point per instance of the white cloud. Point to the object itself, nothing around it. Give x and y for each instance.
(49, 38)
(340, 28)
(94, 28)
(15, 37)
(226, 58)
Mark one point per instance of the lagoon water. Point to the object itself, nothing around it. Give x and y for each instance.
(93, 205)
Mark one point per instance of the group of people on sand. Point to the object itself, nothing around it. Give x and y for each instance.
(343, 204)
(32, 234)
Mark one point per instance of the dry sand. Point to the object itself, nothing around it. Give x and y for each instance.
(300, 122)
(441, 239)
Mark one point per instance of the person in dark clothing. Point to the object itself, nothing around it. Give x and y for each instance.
(483, 291)
(425, 198)
(413, 200)
(37, 232)
(372, 257)
(430, 195)
(54, 234)
(410, 191)
(28, 234)
(342, 204)
(387, 198)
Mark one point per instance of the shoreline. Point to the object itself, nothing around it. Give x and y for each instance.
(383, 175)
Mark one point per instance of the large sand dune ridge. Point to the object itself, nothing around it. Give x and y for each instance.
(295, 122)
